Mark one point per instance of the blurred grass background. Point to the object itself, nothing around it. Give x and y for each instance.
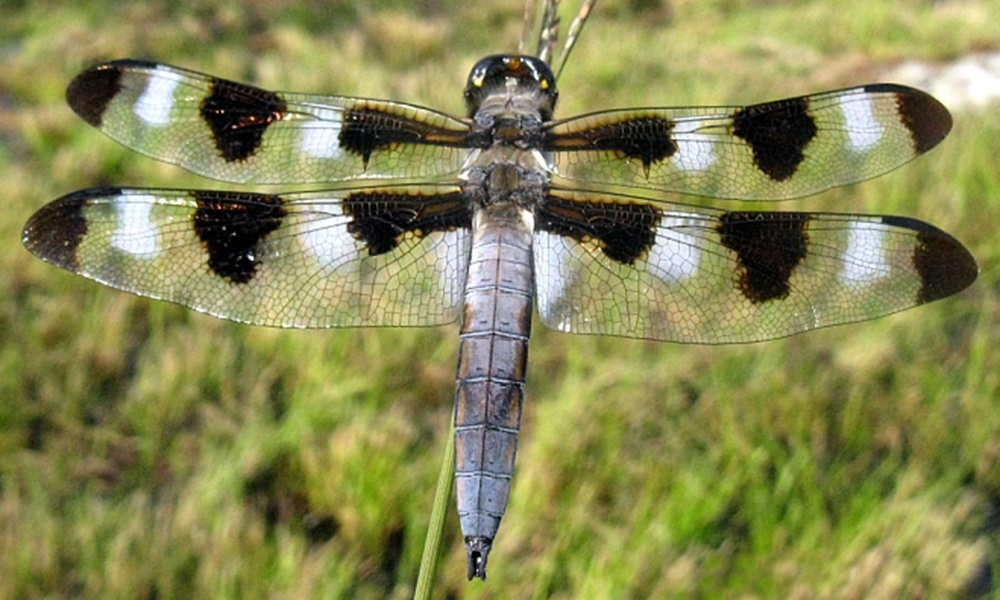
(150, 452)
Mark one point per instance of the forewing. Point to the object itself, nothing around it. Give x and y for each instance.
(236, 132)
(770, 151)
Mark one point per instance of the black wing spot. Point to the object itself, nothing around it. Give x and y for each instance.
(647, 139)
(363, 132)
(366, 130)
(381, 219)
(768, 247)
(777, 133)
(626, 232)
(238, 115)
(372, 126)
(231, 227)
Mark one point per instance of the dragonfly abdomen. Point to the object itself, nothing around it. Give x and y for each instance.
(492, 355)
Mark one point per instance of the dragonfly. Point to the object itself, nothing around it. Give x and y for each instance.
(422, 218)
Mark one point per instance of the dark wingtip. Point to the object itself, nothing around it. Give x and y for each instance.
(928, 120)
(944, 265)
(90, 92)
(54, 233)
(477, 551)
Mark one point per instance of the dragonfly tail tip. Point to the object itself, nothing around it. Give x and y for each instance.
(477, 549)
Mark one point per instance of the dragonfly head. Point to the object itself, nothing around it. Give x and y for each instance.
(524, 78)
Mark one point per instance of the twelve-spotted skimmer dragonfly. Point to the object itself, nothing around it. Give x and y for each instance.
(428, 219)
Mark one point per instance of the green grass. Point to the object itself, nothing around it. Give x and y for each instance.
(149, 452)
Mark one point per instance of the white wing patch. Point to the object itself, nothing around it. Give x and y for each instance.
(135, 232)
(325, 236)
(863, 129)
(694, 150)
(321, 139)
(452, 255)
(865, 260)
(157, 100)
(552, 276)
(675, 255)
